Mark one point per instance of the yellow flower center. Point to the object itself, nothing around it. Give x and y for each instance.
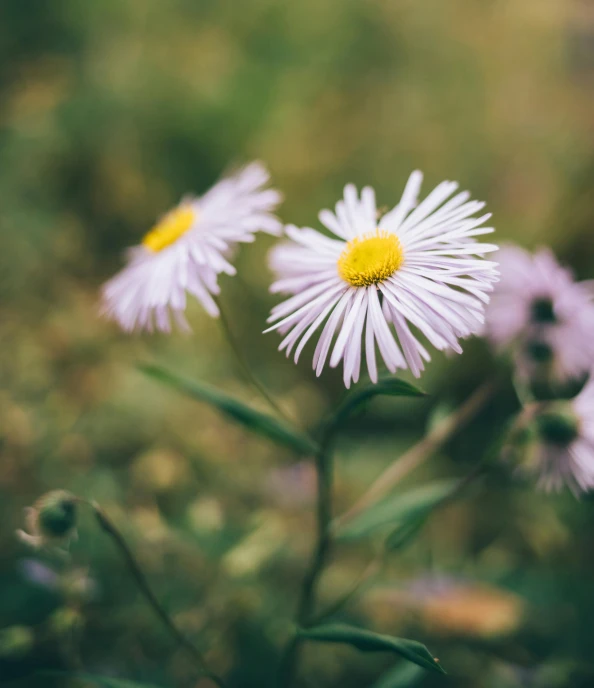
(370, 259)
(173, 226)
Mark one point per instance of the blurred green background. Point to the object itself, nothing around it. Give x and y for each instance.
(110, 112)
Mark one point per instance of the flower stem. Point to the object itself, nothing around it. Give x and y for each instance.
(370, 572)
(108, 527)
(307, 599)
(244, 365)
(522, 390)
(418, 454)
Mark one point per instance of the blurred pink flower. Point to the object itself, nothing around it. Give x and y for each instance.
(292, 486)
(564, 451)
(540, 310)
(39, 573)
(448, 605)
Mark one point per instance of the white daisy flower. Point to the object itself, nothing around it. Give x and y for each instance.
(186, 251)
(418, 265)
(540, 310)
(560, 447)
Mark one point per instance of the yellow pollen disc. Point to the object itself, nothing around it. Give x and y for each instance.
(370, 259)
(174, 225)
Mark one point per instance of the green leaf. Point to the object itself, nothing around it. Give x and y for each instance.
(255, 421)
(401, 676)
(401, 536)
(385, 386)
(367, 641)
(399, 509)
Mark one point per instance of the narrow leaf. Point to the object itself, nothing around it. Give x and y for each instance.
(401, 676)
(255, 421)
(399, 509)
(385, 386)
(401, 536)
(367, 641)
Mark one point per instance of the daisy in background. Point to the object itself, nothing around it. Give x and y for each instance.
(554, 442)
(188, 248)
(363, 288)
(543, 314)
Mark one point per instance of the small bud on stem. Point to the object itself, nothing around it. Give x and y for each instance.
(51, 521)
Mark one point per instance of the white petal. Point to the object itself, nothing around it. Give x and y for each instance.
(325, 340)
(348, 324)
(395, 217)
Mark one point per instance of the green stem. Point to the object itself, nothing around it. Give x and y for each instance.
(522, 390)
(108, 527)
(245, 366)
(308, 596)
(371, 571)
(376, 565)
(420, 452)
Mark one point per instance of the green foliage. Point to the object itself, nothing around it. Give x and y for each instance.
(15, 641)
(405, 509)
(255, 421)
(366, 641)
(404, 534)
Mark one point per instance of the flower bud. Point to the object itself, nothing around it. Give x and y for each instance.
(51, 521)
(542, 311)
(557, 427)
(57, 514)
(542, 445)
(539, 351)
